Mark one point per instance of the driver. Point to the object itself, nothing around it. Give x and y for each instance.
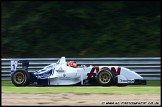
(72, 64)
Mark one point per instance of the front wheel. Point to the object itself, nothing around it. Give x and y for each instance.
(20, 78)
(105, 78)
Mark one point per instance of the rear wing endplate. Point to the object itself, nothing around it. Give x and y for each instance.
(15, 63)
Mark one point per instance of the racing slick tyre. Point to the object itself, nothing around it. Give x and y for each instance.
(105, 78)
(20, 78)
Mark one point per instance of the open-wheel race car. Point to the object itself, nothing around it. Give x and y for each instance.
(68, 73)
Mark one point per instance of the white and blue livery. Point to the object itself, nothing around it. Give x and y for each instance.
(60, 74)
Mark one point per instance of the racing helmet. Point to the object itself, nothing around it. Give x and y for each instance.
(72, 64)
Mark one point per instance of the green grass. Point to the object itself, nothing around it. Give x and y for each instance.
(153, 87)
(151, 83)
(154, 83)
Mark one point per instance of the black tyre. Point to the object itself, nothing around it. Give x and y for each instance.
(105, 78)
(20, 78)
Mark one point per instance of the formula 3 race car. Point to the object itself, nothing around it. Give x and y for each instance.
(60, 73)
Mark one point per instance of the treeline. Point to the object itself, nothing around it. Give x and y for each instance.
(80, 29)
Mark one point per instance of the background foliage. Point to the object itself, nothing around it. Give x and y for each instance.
(80, 29)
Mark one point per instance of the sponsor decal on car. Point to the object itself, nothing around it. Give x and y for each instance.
(64, 78)
(128, 81)
(60, 70)
(64, 74)
(92, 72)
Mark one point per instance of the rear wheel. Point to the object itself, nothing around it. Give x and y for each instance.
(20, 78)
(105, 78)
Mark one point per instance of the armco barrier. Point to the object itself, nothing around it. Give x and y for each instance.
(147, 67)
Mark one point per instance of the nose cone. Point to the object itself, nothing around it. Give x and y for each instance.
(136, 75)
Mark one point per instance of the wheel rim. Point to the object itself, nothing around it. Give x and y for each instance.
(19, 78)
(104, 77)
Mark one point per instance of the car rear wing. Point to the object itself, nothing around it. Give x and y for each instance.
(15, 63)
